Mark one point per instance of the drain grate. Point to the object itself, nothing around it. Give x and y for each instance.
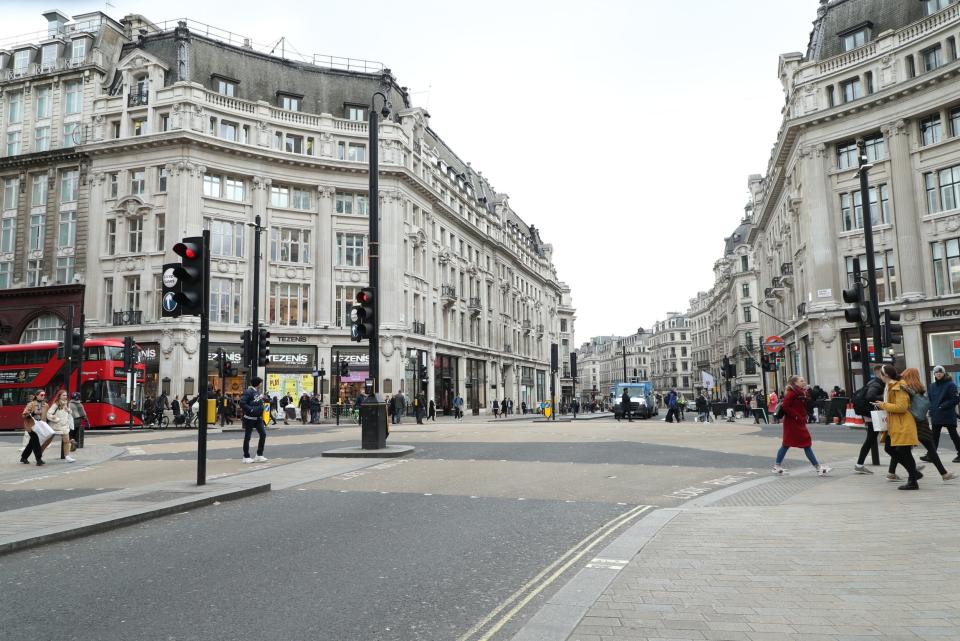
(772, 493)
(158, 496)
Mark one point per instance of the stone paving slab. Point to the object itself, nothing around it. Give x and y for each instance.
(847, 558)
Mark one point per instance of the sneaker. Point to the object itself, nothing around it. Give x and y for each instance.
(247, 459)
(70, 459)
(909, 485)
(949, 476)
(778, 470)
(893, 477)
(823, 470)
(261, 459)
(957, 460)
(861, 469)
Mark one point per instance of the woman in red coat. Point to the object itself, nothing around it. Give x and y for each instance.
(795, 433)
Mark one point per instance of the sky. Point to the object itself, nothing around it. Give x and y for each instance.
(625, 130)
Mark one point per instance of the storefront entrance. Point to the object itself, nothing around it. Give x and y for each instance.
(476, 385)
(348, 388)
(290, 371)
(446, 382)
(941, 342)
(415, 377)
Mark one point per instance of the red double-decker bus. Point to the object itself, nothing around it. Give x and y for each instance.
(103, 384)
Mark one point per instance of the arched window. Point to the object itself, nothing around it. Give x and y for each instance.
(48, 327)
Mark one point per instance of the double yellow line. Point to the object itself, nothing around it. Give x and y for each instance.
(501, 615)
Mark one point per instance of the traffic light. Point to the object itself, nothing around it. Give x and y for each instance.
(75, 345)
(892, 332)
(344, 369)
(726, 367)
(229, 369)
(246, 354)
(263, 347)
(363, 316)
(190, 278)
(859, 314)
(129, 359)
(855, 354)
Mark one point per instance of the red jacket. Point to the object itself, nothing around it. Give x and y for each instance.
(795, 433)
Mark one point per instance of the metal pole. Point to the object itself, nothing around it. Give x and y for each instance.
(204, 346)
(373, 126)
(221, 359)
(868, 246)
(255, 332)
(865, 362)
(80, 380)
(624, 348)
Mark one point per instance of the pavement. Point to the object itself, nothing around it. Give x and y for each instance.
(805, 558)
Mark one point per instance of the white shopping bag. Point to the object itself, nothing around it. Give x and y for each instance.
(42, 430)
(879, 418)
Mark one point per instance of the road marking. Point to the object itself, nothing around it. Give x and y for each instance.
(608, 564)
(544, 579)
(136, 451)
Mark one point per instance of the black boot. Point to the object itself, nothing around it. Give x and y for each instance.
(910, 485)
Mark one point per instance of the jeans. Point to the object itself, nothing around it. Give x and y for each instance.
(704, 417)
(782, 452)
(248, 426)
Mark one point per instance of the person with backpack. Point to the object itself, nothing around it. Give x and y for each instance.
(793, 410)
(901, 433)
(863, 401)
(252, 403)
(919, 406)
(943, 405)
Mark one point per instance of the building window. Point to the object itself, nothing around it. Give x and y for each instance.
(350, 250)
(302, 199)
(68, 186)
(225, 300)
(290, 245)
(42, 102)
(79, 51)
(851, 90)
(932, 58)
(291, 103)
(21, 61)
(71, 134)
(933, 6)
(72, 91)
(279, 196)
(131, 287)
(35, 241)
(138, 182)
(111, 237)
(947, 183)
(744, 264)
(212, 186)
(885, 274)
(931, 130)
(66, 267)
(8, 233)
(854, 220)
(13, 143)
(352, 204)
(875, 147)
(351, 151)
(289, 304)
(955, 121)
(41, 139)
(108, 298)
(229, 130)
(855, 39)
(34, 273)
(946, 266)
(113, 184)
(346, 296)
(233, 189)
(745, 290)
(139, 126)
(48, 327)
(293, 144)
(161, 179)
(358, 114)
(225, 87)
(11, 191)
(67, 232)
(15, 109)
(747, 315)
(226, 238)
(135, 234)
(160, 221)
(6, 275)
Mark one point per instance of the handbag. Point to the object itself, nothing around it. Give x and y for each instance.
(42, 430)
(879, 419)
(778, 411)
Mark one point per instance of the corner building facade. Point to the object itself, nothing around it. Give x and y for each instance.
(885, 71)
(185, 132)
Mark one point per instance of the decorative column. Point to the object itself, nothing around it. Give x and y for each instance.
(816, 215)
(392, 262)
(906, 221)
(323, 241)
(259, 200)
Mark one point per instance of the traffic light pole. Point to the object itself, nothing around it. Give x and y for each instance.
(221, 362)
(204, 355)
(874, 306)
(79, 367)
(373, 148)
(865, 361)
(255, 333)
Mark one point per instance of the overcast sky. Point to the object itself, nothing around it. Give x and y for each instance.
(623, 129)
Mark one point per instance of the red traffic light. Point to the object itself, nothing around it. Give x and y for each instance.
(188, 250)
(364, 296)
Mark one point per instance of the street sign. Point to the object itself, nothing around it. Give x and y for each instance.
(774, 344)
(956, 349)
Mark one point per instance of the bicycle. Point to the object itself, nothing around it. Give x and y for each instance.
(159, 419)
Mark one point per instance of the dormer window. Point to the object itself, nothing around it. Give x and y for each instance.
(78, 52)
(289, 102)
(856, 36)
(353, 112)
(21, 61)
(933, 6)
(225, 86)
(48, 57)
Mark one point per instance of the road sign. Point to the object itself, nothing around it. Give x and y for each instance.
(773, 344)
(956, 349)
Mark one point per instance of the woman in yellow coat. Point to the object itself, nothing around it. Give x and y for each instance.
(901, 434)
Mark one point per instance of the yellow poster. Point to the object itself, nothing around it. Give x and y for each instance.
(290, 386)
(273, 384)
(306, 383)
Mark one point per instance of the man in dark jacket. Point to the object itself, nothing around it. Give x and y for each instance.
(874, 392)
(252, 405)
(625, 406)
(943, 404)
(701, 403)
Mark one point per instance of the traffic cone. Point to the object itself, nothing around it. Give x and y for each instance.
(852, 419)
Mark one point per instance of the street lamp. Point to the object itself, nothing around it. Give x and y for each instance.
(373, 130)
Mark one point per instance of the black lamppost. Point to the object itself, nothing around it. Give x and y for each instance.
(322, 373)
(373, 127)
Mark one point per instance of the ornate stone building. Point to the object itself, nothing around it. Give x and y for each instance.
(183, 132)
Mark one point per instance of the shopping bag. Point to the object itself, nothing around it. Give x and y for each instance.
(42, 430)
(879, 418)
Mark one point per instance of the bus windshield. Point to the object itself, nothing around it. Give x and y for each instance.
(112, 392)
